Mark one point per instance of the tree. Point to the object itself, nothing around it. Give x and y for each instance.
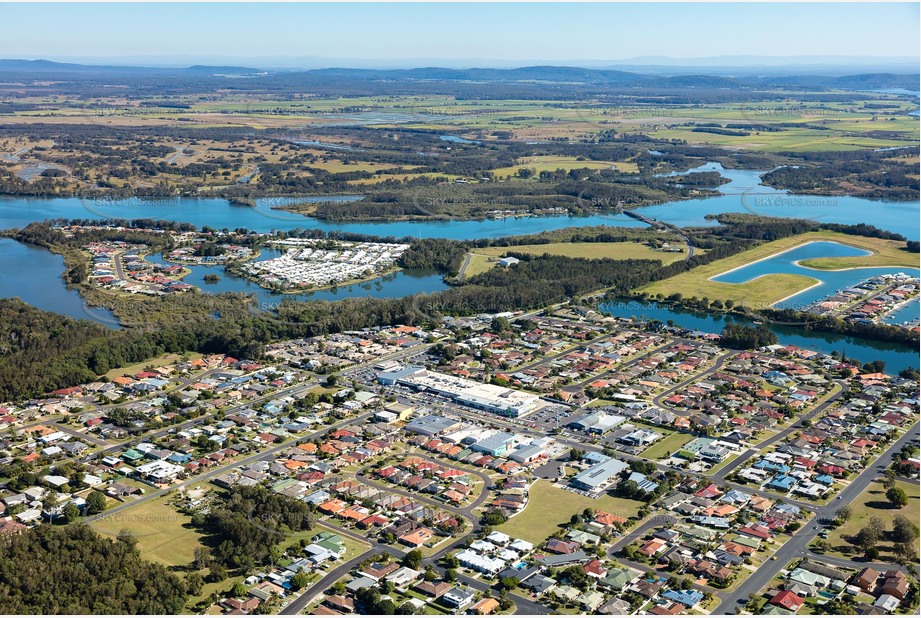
(95, 502)
(216, 573)
(70, 512)
(500, 324)
(450, 576)
(88, 573)
(239, 589)
(450, 562)
(877, 526)
(202, 557)
(844, 513)
(494, 517)
(897, 496)
(300, 580)
(866, 538)
(575, 575)
(406, 609)
(889, 478)
(903, 530)
(194, 583)
(127, 537)
(413, 559)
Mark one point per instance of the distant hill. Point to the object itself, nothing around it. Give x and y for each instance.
(524, 77)
(48, 66)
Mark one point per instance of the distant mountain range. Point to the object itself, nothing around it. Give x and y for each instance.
(532, 74)
(720, 65)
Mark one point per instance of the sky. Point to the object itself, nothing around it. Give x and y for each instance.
(480, 32)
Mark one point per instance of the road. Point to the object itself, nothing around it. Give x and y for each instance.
(797, 426)
(662, 224)
(796, 547)
(524, 605)
(202, 478)
(467, 510)
(463, 269)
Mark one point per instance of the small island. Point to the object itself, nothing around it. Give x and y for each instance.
(212, 278)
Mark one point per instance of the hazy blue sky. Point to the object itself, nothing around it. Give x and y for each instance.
(470, 31)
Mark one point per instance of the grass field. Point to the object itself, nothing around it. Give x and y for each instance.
(801, 125)
(769, 289)
(873, 503)
(885, 253)
(788, 140)
(161, 532)
(600, 403)
(479, 263)
(550, 506)
(666, 446)
(591, 250)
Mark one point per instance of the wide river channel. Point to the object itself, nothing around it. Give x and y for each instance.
(34, 275)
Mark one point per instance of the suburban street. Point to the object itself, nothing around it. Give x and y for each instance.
(796, 547)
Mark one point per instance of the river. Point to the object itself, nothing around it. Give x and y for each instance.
(896, 356)
(35, 275)
(741, 194)
(393, 285)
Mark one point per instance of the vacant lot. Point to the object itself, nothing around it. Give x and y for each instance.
(159, 361)
(769, 289)
(550, 506)
(162, 533)
(873, 503)
(667, 446)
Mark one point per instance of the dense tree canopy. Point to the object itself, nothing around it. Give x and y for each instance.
(74, 570)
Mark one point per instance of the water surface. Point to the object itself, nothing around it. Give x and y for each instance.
(829, 281)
